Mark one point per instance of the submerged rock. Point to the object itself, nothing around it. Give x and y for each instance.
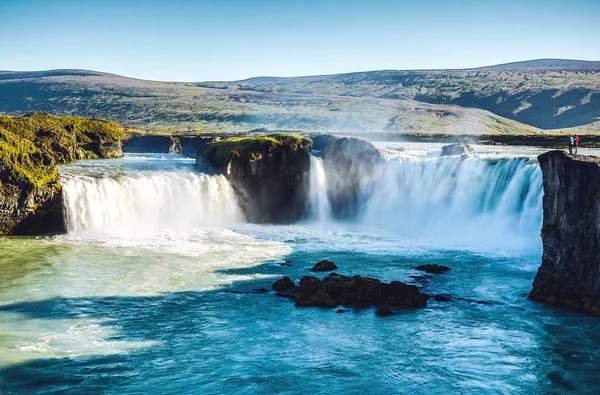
(435, 269)
(324, 266)
(570, 274)
(270, 174)
(442, 298)
(351, 166)
(457, 149)
(357, 291)
(383, 312)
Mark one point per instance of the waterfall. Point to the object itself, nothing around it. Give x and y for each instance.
(148, 202)
(319, 204)
(460, 202)
(455, 202)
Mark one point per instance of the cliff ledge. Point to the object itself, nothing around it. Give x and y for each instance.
(570, 272)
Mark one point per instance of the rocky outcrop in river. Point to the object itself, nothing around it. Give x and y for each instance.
(351, 167)
(30, 148)
(270, 174)
(570, 272)
(335, 290)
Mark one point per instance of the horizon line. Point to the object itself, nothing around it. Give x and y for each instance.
(311, 75)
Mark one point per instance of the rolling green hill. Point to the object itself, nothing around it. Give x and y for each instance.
(518, 98)
(547, 94)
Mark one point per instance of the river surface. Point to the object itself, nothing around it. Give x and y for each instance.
(151, 290)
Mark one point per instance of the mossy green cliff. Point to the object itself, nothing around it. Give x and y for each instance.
(30, 148)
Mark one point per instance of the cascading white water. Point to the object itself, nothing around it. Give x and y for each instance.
(456, 202)
(148, 202)
(320, 208)
(460, 202)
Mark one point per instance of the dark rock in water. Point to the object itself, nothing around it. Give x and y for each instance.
(339, 311)
(283, 264)
(334, 274)
(442, 298)
(270, 174)
(357, 291)
(290, 293)
(435, 269)
(421, 279)
(261, 290)
(457, 149)
(324, 266)
(570, 274)
(283, 284)
(351, 167)
(383, 312)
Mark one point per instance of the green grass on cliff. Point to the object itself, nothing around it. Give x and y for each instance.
(219, 152)
(31, 145)
(62, 135)
(21, 162)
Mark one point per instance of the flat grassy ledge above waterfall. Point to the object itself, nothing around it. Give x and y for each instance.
(218, 152)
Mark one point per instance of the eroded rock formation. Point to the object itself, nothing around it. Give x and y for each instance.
(457, 149)
(570, 272)
(270, 174)
(351, 167)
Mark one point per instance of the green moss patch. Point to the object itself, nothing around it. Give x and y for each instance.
(22, 163)
(219, 152)
(31, 145)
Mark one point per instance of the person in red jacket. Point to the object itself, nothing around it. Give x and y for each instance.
(576, 143)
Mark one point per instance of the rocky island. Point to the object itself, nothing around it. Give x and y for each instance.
(570, 272)
(270, 174)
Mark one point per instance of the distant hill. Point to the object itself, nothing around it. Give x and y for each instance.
(546, 93)
(521, 97)
(549, 64)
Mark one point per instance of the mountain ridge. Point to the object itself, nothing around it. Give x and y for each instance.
(544, 94)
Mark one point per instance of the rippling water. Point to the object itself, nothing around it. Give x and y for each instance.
(158, 299)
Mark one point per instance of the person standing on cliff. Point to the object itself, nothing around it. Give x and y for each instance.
(571, 144)
(576, 143)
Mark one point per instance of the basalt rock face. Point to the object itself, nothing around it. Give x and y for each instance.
(570, 272)
(351, 167)
(270, 174)
(457, 149)
(25, 210)
(153, 144)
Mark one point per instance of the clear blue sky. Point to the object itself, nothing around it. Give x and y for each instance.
(185, 40)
